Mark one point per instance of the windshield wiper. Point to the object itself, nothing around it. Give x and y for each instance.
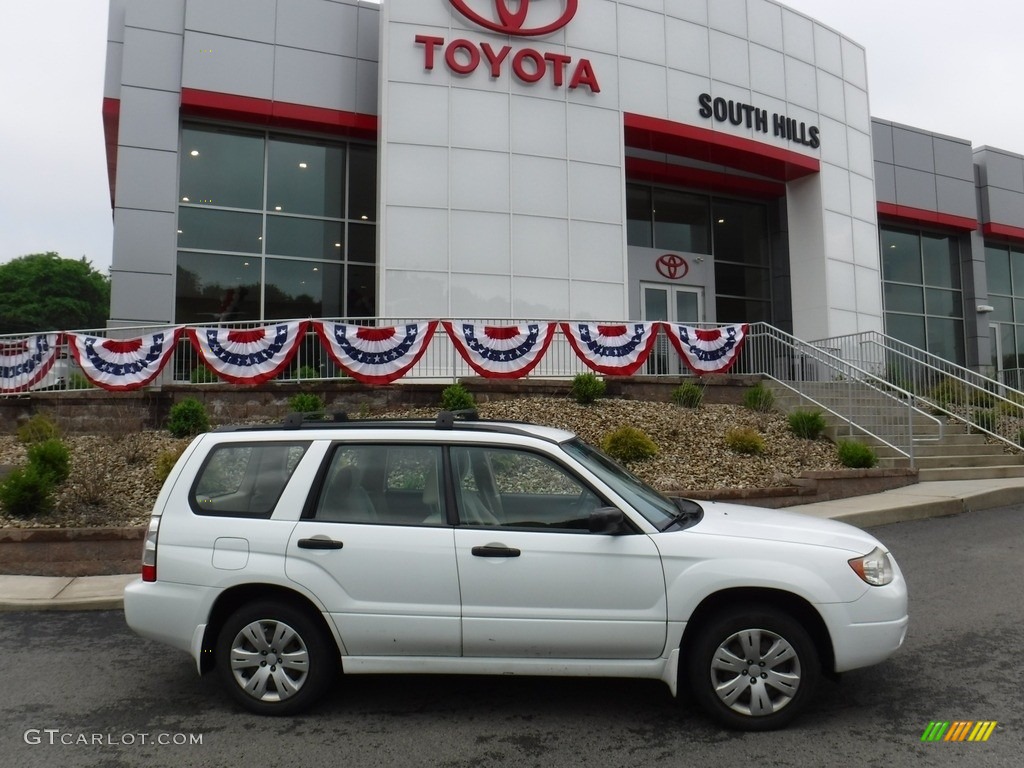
(690, 513)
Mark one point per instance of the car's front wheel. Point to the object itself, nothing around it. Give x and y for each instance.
(274, 659)
(752, 668)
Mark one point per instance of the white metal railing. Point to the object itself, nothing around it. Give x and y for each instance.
(985, 405)
(822, 376)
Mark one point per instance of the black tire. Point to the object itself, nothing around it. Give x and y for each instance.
(785, 664)
(249, 662)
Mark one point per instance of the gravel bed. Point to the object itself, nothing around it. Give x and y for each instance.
(113, 479)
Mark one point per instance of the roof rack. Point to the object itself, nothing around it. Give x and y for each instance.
(446, 419)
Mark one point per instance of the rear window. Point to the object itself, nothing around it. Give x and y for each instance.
(244, 479)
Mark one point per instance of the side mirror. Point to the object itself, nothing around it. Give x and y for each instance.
(606, 520)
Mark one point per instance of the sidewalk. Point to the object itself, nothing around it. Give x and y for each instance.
(914, 502)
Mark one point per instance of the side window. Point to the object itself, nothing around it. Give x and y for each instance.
(244, 479)
(519, 489)
(384, 485)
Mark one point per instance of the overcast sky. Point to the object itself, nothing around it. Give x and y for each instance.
(950, 67)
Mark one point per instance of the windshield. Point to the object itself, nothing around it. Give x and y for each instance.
(659, 510)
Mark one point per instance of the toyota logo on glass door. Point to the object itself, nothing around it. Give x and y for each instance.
(672, 266)
(529, 19)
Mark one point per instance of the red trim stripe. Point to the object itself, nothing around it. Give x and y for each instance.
(717, 147)
(921, 216)
(638, 169)
(111, 128)
(1002, 230)
(279, 114)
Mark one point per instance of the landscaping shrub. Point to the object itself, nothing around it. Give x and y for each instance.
(745, 440)
(188, 418)
(627, 444)
(307, 372)
(856, 455)
(51, 457)
(306, 402)
(688, 395)
(457, 398)
(985, 418)
(759, 398)
(165, 462)
(587, 388)
(37, 429)
(27, 492)
(807, 424)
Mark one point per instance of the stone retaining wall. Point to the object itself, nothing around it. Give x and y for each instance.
(70, 551)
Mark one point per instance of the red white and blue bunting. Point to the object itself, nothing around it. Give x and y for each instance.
(711, 350)
(25, 362)
(616, 350)
(501, 351)
(119, 365)
(248, 357)
(376, 355)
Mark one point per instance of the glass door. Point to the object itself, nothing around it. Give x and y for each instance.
(673, 304)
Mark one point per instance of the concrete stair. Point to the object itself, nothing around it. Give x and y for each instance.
(957, 455)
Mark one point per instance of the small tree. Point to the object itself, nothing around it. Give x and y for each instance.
(587, 388)
(188, 418)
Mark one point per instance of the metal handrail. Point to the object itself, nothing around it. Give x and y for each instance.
(979, 402)
(856, 395)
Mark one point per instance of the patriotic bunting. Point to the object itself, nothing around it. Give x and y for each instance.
(712, 350)
(501, 352)
(251, 356)
(120, 365)
(376, 355)
(616, 350)
(25, 362)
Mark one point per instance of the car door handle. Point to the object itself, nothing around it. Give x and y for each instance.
(320, 544)
(492, 551)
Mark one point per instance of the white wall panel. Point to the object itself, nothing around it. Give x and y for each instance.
(419, 115)
(641, 34)
(539, 127)
(540, 186)
(801, 83)
(149, 119)
(144, 238)
(595, 193)
(139, 296)
(417, 294)
(765, 20)
(163, 16)
(417, 176)
(479, 119)
(730, 59)
(481, 242)
(689, 47)
(483, 296)
(480, 180)
(227, 65)
(151, 59)
(596, 135)
(318, 25)
(242, 19)
(767, 70)
(828, 50)
(691, 10)
(540, 246)
(334, 86)
(540, 298)
(596, 251)
(728, 16)
(417, 239)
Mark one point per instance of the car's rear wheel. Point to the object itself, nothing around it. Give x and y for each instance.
(753, 668)
(274, 659)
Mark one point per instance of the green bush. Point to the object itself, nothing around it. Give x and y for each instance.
(807, 424)
(306, 402)
(51, 457)
(745, 440)
(165, 462)
(587, 388)
(77, 381)
(37, 429)
(627, 444)
(27, 492)
(985, 418)
(759, 398)
(457, 398)
(307, 372)
(188, 418)
(688, 395)
(856, 455)
(202, 375)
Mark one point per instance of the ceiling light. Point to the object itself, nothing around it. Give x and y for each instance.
(302, 165)
(364, 217)
(337, 245)
(184, 199)
(277, 207)
(194, 153)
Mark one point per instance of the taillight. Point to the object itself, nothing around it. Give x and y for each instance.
(149, 550)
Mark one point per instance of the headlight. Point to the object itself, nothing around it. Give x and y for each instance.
(875, 567)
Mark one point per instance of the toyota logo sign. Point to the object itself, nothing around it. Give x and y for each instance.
(509, 22)
(672, 266)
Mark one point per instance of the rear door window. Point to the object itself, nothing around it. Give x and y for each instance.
(244, 479)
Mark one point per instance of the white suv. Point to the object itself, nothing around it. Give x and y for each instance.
(280, 556)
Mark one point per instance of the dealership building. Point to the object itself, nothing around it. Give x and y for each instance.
(698, 161)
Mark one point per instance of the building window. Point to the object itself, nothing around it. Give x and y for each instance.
(922, 291)
(1004, 267)
(274, 227)
(734, 232)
